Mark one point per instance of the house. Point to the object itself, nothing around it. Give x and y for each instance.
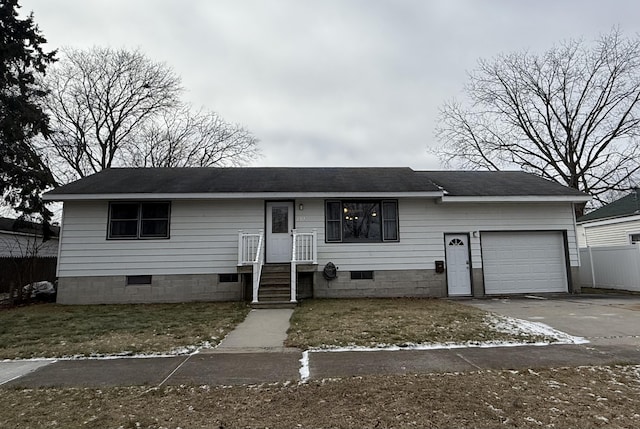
(616, 224)
(183, 234)
(25, 256)
(20, 238)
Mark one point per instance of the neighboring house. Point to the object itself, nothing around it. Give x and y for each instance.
(25, 256)
(182, 234)
(616, 224)
(20, 238)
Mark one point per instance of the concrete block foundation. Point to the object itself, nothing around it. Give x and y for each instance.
(163, 288)
(385, 284)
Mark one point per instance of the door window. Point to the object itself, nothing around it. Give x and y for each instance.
(279, 219)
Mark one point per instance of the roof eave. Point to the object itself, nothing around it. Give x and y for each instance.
(610, 219)
(515, 199)
(237, 195)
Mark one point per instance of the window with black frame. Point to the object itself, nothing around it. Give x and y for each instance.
(133, 220)
(354, 221)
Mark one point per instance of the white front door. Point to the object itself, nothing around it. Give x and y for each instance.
(279, 231)
(458, 270)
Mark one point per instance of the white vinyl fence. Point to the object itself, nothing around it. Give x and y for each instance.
(610, 267)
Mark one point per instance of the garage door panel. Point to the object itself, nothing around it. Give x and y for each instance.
(523, 262)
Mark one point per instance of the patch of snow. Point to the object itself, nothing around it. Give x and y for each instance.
(304, 367)
(532, 420)
(496, 410)
(179, 351)
(511, 325)
(555, 384)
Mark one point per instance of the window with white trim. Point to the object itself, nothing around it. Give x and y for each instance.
(133, 220)
(354, 221)
(634, 238)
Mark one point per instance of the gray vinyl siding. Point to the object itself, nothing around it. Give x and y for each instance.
(204, 236)
(613, 234)
(506, 217)
(203, 239)
(422, 225)
(22, 245)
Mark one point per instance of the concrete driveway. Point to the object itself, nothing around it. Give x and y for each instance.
(602, 319)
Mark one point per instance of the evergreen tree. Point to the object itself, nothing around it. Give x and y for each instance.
(23, 174)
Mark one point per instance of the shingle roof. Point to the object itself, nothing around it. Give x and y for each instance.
(497, 183)
(628, 205)
(25, 227)
(308, 180)
(254, 180)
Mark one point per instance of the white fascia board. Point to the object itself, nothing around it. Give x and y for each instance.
(240, 195)
(610, 221)
(515, 199)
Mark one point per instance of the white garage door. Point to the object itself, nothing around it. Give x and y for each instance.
(523, 262)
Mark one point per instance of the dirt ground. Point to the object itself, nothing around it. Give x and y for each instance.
(582, 397)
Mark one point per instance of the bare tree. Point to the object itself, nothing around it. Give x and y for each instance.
(115, 108)
(182, 138)
(99, 100)
(569, 115)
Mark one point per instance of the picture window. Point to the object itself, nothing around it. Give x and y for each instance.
(133, 220)
(353, 221)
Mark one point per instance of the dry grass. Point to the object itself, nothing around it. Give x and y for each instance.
(50, 330)
(375, 322)
(583, 397)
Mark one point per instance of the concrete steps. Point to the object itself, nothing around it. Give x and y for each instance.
(273, 304)
(275, 287)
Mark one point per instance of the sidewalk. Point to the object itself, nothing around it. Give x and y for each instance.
(271, 367)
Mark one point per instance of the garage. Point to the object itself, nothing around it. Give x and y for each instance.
(523, 262)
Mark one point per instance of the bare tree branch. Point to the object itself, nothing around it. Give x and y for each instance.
(113, 108)
(98, 99)
(570, 115)
(182, 138)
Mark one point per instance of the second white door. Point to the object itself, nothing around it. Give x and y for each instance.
(458, 269)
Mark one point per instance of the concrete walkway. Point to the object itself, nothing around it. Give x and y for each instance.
(15, 369)
(263, 330)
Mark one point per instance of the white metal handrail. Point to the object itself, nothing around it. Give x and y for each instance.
(251, 251)
(304, 251)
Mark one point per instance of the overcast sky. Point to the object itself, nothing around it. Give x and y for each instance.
(329, 83)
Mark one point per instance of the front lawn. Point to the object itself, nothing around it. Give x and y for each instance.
(51, 330)
(401, 321)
